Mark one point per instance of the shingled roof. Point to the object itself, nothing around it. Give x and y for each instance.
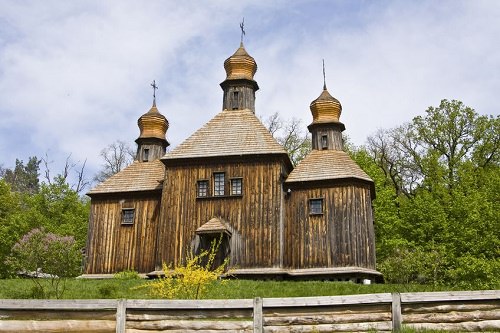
(139, 176)
(229, 133)
(326, 165)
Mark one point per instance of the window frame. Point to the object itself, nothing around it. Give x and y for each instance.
(313, 208)
(240, 186)
(324, 141)
(207, 188)
(218, 184)
(127, 220)
(235, 100)
(145, 155)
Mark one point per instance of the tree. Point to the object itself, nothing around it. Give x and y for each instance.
(291, 135)
(116, 156)
(437, 181)
(24, 178)
(81, 182)
(40, 254)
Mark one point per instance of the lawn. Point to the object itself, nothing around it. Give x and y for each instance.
(228, 289)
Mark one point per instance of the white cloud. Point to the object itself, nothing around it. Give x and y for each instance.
(74, 76)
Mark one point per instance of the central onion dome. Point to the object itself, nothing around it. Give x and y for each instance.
(240, 65)
(325, 108)
(153, 124)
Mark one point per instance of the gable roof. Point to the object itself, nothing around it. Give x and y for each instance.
(229, 133)
(215, 225)
(138, 176)
(326, 165)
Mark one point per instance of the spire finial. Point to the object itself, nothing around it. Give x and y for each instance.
(155, 87)
(242, 27)
(324, 76)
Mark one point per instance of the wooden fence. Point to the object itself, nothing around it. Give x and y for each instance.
(473, 311)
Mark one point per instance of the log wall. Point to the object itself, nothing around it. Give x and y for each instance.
(112, 246)
(343, 235)
(471, 311)
(254, 216)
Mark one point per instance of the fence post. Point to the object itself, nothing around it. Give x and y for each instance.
(121, 315)
(258, 323)
(396, 312)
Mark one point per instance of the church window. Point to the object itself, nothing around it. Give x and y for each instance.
(315, 206)
(145, 155)
(235, 100)
(219, 183)
(236, 186)
(202, 189)
(324, 141)
(128, 215)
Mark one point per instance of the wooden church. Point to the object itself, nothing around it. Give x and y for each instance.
(231, 180)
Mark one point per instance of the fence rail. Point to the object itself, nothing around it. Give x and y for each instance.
(464, 311)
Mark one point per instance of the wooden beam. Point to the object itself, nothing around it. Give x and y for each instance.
(396, 312)
(258, 320)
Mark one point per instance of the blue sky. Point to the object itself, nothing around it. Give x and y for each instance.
(75, 75)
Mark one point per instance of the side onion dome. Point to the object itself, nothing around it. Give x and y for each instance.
(325, 108)
(153, 124)
(240, 65)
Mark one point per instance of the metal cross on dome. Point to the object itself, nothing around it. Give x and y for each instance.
(155, 87)
(242, 27)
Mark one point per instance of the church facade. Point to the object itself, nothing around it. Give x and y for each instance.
(231, 181)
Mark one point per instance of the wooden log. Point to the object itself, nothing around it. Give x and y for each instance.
(328, 310)
(452, 317)
(441, 307)
(132, 330)
(60, 304)
(58, 326)
(51, 314)
(190, 304)
(191, 325)
(145, 315)
(328, 300)
(326, 319)
(447, 296)
(352, 327)
(479, 326)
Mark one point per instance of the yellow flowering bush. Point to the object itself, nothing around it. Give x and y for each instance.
(191, 279)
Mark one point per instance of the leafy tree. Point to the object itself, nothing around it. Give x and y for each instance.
(291, 135)
(116, 156)
(437, 181)
(12, 226)
(60, 210)
(23, 178)
(40, 254)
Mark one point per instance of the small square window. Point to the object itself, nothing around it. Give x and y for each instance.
(315, 206)
(128, 216)
(219, 182)
(202, 189)
(236, 186)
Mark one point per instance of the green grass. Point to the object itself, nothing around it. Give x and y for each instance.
(229, 289)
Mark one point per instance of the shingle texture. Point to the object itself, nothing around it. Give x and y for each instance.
(229, 133)
(326, 164)
(215, 225)
(139, 176)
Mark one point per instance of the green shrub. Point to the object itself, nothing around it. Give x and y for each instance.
(127, 275)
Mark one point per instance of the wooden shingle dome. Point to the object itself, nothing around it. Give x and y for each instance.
(325, 108)
(153, 124)
(240, 65)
